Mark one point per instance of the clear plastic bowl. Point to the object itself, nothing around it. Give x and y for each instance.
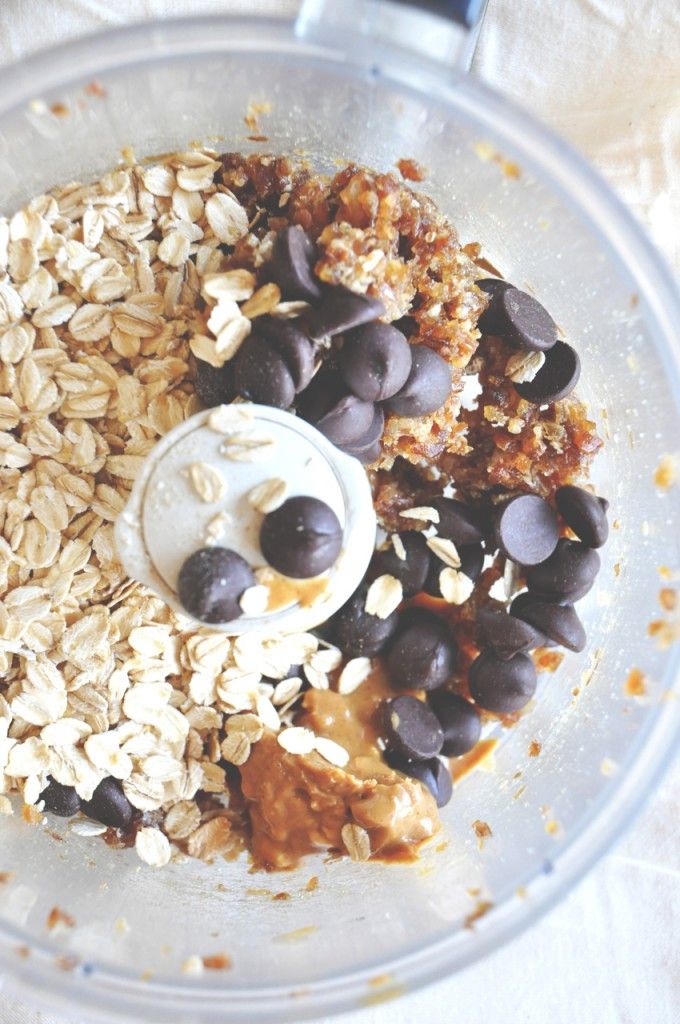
(371, 930)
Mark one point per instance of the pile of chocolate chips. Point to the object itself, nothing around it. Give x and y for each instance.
(301, 538)
(337, 365)
(523, 323)
(419, 648)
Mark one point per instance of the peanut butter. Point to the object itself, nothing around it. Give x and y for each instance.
(299, 803)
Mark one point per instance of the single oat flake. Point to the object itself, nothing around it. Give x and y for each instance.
(207, 483)
(269, 495)
(384, 596)
(357, 841)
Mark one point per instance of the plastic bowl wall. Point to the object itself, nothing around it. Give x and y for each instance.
(553, 228)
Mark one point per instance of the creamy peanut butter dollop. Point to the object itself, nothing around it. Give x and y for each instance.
(300, 803)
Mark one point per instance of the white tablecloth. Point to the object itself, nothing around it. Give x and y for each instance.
(606, 75)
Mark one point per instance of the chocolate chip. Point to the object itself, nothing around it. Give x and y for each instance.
(375, 361)
(214, 386)
(502, 686)
(506, 634)
(492, 320)
(423, 655)
(261, 374)
(471, 563)
(367, 448)
(292, 264)
(410, 571)
(568, 574)
(412, 728)
(325, 389)
(347, 421)
(459, 720)
(434, 774)
(557, 377)
(528, 324)
(459, 522)
(585, 513)
(211, 582)
(109, 805)
(340, 310)
(301, 538)
(357, 633)
(366, 454)
(526, 529)
(427, 387)
(60, 800)
(293, 345)
(559, 622)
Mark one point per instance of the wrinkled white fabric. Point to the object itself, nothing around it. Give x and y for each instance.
(606, 75)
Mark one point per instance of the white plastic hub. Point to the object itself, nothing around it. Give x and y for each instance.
(166, 520)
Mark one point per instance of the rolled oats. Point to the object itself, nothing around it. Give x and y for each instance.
(269, 495)
(225, 215)
(423, 512)
(445, 550)
(331, 751)
(357, 841)
(254, 600)
(250, 447)
(384, 596)
(152, 847)
(354, 673)
(297, 740)
(208, 484)
(455, 586)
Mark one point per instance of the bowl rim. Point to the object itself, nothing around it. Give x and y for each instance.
(114, 995)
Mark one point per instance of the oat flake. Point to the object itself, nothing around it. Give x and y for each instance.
(152, 847)
(208, 484)
(384, 596)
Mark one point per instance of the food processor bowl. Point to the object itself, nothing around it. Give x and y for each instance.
(365, 932)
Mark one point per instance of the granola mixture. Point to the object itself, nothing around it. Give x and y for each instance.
(110, 294)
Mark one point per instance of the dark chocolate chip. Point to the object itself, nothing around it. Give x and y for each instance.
(526, 529)
(559, 622)
(459, 720)
(301, 538)
(410, 571)
(109, 805)
(585, 513)
(423, 655)
(347, 421)
(293, 345)
(211, 582)
(366, 454)
(502, 686)
(471, 563)
(261, 374)
(325, 389)
(506, 634)
(60, 800)
(357, 633)
(459, 522)
(434, 774)
(292, 264)
(214, 386)
(412, 728)
(367, 448)
(492, 320)
(340, 310)
(375, 361)
(557, 377)
(528, 324)
(427, 387)
(568, 574)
